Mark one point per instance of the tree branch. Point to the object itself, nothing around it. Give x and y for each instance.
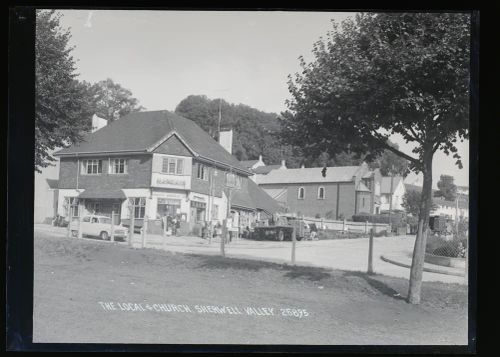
(384, 143)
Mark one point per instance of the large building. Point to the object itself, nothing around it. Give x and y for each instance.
(156, 164)
(340, 193)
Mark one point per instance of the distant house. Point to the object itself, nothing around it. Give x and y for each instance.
(258, 167)
(445, 207)
(158, 163)
(343, 192)
(398, 191)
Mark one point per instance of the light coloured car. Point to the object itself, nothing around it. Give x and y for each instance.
(98, 226)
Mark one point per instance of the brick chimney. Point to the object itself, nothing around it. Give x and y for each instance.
(283, 165)
(98, 123)
(226, 140)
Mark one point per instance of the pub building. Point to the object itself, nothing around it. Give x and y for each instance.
(159, 164)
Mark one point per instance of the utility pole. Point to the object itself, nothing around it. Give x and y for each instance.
(220, 118)
(456, 215)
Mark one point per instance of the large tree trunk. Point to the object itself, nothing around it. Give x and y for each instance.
(417, 264)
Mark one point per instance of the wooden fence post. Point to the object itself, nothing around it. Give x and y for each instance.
(131, 224)
(112, 226)
(225, 232)
(294, 240)
(80, 231)
(370, 253)
(70, 218)
(366, 226)
(144, 231)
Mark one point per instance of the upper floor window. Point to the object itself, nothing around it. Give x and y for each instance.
(321, 193)
(301, 193)
(202, 172)
(172, 165)
(118, 166)
(233, 180)
(92, 167)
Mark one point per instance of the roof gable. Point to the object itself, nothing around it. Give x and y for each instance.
(173, 146)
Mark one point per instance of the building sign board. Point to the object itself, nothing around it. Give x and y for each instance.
(178, 182)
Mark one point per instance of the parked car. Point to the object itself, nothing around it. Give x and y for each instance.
(280, 232)
(99, 226)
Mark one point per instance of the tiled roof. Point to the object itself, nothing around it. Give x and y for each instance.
(385, 184)
(254, 197)
(248, 163)
(307, 175)
(140, 131)
(263, 170)
(100, 192)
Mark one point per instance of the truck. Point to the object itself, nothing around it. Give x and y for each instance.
(282, 230)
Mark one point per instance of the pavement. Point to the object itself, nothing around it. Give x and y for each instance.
(342, 254)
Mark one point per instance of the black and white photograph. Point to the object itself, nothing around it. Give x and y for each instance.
(252, 177)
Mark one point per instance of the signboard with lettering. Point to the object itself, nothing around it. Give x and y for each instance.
(170, 181)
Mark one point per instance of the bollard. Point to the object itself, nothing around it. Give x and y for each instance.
(370, 253)
(294, 240)
(112, 226)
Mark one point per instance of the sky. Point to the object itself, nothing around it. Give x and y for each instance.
(243, 57)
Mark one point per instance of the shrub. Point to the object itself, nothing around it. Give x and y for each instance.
(330, 215)
(331, 234)
(317, 215)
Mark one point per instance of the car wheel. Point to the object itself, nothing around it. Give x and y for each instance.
(104, 235)
(299, 238)
(74, 234)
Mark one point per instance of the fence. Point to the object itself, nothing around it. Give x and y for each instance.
(363, 227)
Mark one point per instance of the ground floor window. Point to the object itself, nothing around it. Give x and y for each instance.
(198, 211)
(72, 206)
(139, 207)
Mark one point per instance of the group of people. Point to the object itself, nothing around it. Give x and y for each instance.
(173, 223)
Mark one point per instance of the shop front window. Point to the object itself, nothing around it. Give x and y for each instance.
(168, 207)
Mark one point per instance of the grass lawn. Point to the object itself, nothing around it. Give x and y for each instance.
(77, 280)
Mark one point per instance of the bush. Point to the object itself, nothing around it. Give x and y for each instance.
(455, 248)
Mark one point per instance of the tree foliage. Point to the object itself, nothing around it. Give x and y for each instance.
(61, 101)
(256, 133)
(411, 202)
(446, 188)
(383, 74)
(111, 101)
(390, 163)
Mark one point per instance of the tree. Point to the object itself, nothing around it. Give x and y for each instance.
(382, 74)
(62, 110)
(411, 202)
(111, 101)
(390, 163)
(447, 188)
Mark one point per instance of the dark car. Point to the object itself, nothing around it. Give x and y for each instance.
(277, 233)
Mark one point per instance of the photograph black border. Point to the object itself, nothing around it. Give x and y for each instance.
(20, 176)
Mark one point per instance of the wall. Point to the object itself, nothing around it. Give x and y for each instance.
(139, 174)
(219, 180)
(311, 205)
